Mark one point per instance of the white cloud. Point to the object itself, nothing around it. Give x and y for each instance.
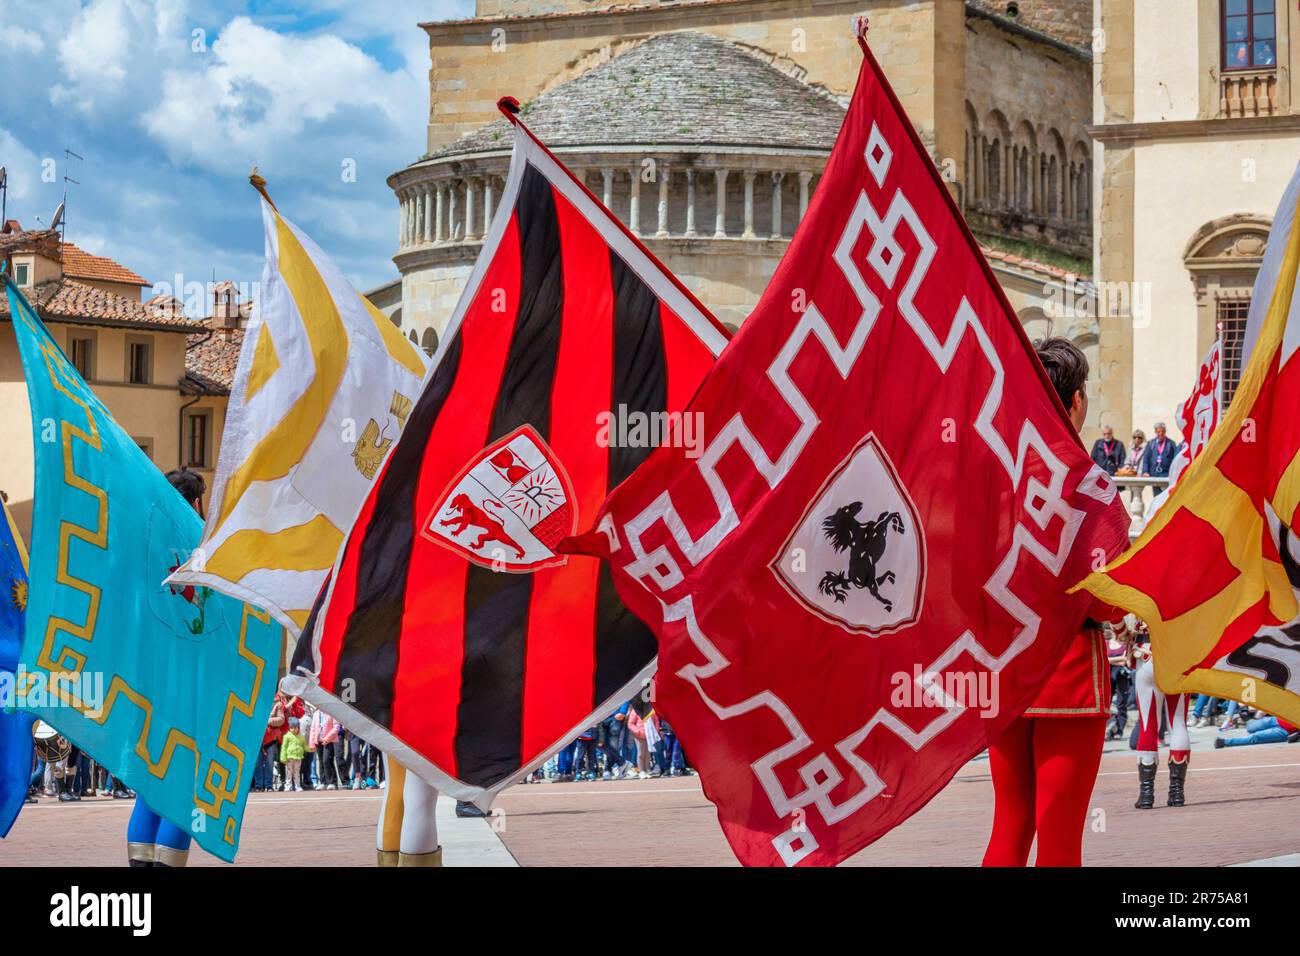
(22, 165)
(97, 45)
(260, 90)
(169, 132)
(21, 40)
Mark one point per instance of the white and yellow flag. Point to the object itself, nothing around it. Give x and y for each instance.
(324, 385)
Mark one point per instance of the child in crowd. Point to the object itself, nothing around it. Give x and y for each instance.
(293, 746)
(584, 755)
(636, 728)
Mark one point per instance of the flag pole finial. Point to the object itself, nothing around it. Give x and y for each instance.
(256, 180)
(861, 23)
(509, 107)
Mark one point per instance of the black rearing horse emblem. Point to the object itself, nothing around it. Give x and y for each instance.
(865, 542)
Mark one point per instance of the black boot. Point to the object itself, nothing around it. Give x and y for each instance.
(1177, 779)
(1146, 786)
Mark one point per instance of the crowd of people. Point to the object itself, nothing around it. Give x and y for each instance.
(1141, 458)
(305, 748)
(633, 743)
(1228, 716)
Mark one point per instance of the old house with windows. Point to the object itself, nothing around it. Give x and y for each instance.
(705, 124)
(164, 376)
(211, 357)
(1197, 130)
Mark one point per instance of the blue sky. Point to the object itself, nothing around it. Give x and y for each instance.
(170, 121)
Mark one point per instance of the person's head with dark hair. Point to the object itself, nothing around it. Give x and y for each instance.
(190, 485)
(1067, 369)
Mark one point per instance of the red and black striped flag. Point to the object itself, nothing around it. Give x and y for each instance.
(452, 635)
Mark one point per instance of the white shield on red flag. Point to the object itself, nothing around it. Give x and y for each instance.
(509, 508)
(862, 578)
(857, 558)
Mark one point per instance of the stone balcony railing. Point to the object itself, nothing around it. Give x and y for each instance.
(1248, 93)
(446, 205)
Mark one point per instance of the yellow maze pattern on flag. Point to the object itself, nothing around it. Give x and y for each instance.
(217, 778)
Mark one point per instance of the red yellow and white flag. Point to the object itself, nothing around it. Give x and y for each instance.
(324, 385)
(1216, 572)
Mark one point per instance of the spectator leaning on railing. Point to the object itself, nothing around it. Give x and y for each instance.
(1159, 455)
(1108, 452)
(1134, 460)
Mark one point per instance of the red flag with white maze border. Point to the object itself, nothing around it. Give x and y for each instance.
(861, 580)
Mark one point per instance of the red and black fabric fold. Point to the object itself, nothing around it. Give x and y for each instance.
(469, 673)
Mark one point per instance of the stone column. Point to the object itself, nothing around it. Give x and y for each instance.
(487, 205)
(607, 174)
(720, 225)
(664, 175)
(1035, 189)
(428, 213)
(401, 221)
(470, 225)
(634, 211)
(439, 226)
(1008, 162)
(690, 204)
(749, 203)
(453, 227)
(804, 180)
(776, 204)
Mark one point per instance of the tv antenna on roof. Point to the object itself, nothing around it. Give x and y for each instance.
(4, 196)
(59, 220)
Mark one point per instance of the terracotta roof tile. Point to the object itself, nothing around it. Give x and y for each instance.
(210, 362)
(67, 300)
(80, 264)
(1011, 259)
(42, 241)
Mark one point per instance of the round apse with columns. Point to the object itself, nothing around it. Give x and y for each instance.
(1023, 178)
(707, 150)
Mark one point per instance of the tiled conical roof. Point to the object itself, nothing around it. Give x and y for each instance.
(674, 89)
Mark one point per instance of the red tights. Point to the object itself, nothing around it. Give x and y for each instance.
(1043, 771)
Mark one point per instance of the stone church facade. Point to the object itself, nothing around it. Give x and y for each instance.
(705, 124)
(1197, 130)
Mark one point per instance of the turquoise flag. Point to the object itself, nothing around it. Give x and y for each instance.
(168, 687)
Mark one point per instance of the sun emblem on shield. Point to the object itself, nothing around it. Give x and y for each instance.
(509, 508)
(18, 595)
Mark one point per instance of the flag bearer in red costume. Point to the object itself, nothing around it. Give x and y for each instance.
(1045, 765)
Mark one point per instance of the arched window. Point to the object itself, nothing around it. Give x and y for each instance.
(429, 341)
(999, 169)
(1058, 177)
(994, 166)
(971, 188)
(1036, 323)
(1053, 188)
(1223, 257)
(1082, 182)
